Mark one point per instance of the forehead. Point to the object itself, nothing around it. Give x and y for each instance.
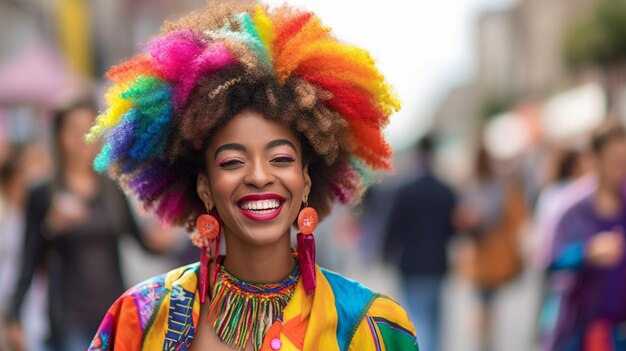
(251, 129)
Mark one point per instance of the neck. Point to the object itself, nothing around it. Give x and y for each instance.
(79, 169)
(258, 263)
(607, 200)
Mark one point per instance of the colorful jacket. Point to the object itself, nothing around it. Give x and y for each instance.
(342, 315)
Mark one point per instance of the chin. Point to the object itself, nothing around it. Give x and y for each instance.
(265, 236)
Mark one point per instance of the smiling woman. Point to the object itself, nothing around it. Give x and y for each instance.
(240, 122)
(256, 169)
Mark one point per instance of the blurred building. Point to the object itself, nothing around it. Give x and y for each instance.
(519, 59)
(519, 56)
(53, 51)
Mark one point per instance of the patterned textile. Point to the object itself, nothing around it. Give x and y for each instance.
(342, 315)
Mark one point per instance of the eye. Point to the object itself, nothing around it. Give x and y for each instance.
(283, 159)
(230, 163)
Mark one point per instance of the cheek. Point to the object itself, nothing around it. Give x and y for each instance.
(223, 186)
(294, 181)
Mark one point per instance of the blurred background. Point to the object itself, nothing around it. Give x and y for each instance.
(512, 116)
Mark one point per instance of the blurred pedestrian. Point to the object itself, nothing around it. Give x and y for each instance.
(492, 212)
(73, 224)
(418, 230)
(12, 195)
(589, 245)
(569, 166)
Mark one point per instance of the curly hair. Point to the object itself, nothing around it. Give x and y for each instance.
(166, 102)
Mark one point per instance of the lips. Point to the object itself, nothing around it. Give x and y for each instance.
(261, 207)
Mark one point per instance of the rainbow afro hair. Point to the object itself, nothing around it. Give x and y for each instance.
(166, 102)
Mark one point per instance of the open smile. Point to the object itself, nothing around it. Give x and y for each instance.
(261, 207)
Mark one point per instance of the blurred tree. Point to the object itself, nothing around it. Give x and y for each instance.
(598, 38)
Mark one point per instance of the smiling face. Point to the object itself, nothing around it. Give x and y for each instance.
(255, 178)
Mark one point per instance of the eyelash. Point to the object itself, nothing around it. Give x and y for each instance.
(278, 159)
(229, 163)
(283, 159)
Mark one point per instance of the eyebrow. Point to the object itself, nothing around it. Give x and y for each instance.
(233, 146)
(280, 142)
(239, 147)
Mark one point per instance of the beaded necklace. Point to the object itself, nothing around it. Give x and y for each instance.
(243, 310)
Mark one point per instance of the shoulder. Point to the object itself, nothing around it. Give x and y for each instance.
(156, 287)
(578, 210)
(134, 312)
(388, 323)
(351, 294)
(430, 182)
(38, 201)
(365, 316)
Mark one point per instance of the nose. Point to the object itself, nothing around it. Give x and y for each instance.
(259, 175)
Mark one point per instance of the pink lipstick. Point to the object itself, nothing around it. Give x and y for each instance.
(261, 207)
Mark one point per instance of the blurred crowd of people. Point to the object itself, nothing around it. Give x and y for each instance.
(550, 218)
(566, 225)
(63, 224)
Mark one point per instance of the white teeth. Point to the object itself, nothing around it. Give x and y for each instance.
(261, 206)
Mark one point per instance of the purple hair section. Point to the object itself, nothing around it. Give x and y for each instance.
(122, 137)
(150, 182)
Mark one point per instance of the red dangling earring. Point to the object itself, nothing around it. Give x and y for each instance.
(307, 221)
(207, 238)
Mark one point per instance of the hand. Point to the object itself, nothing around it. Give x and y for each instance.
(605, 249)
(466, 217)
(65, 212)
(16, 337)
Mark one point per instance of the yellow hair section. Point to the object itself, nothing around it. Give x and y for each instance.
(118, 107)
(389, 100)
(264, 28)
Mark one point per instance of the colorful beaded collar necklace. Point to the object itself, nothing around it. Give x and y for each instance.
(244, 311)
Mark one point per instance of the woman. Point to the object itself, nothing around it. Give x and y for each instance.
(588, 254)
(493, 212)
(569, 166)
(238, 120)
(73, 224)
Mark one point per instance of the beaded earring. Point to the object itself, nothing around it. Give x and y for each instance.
(307, 221)
(207, 238)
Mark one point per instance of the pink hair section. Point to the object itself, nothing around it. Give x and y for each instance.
(347, 172)
(347, 184)
(182, 57)
(170, 206)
